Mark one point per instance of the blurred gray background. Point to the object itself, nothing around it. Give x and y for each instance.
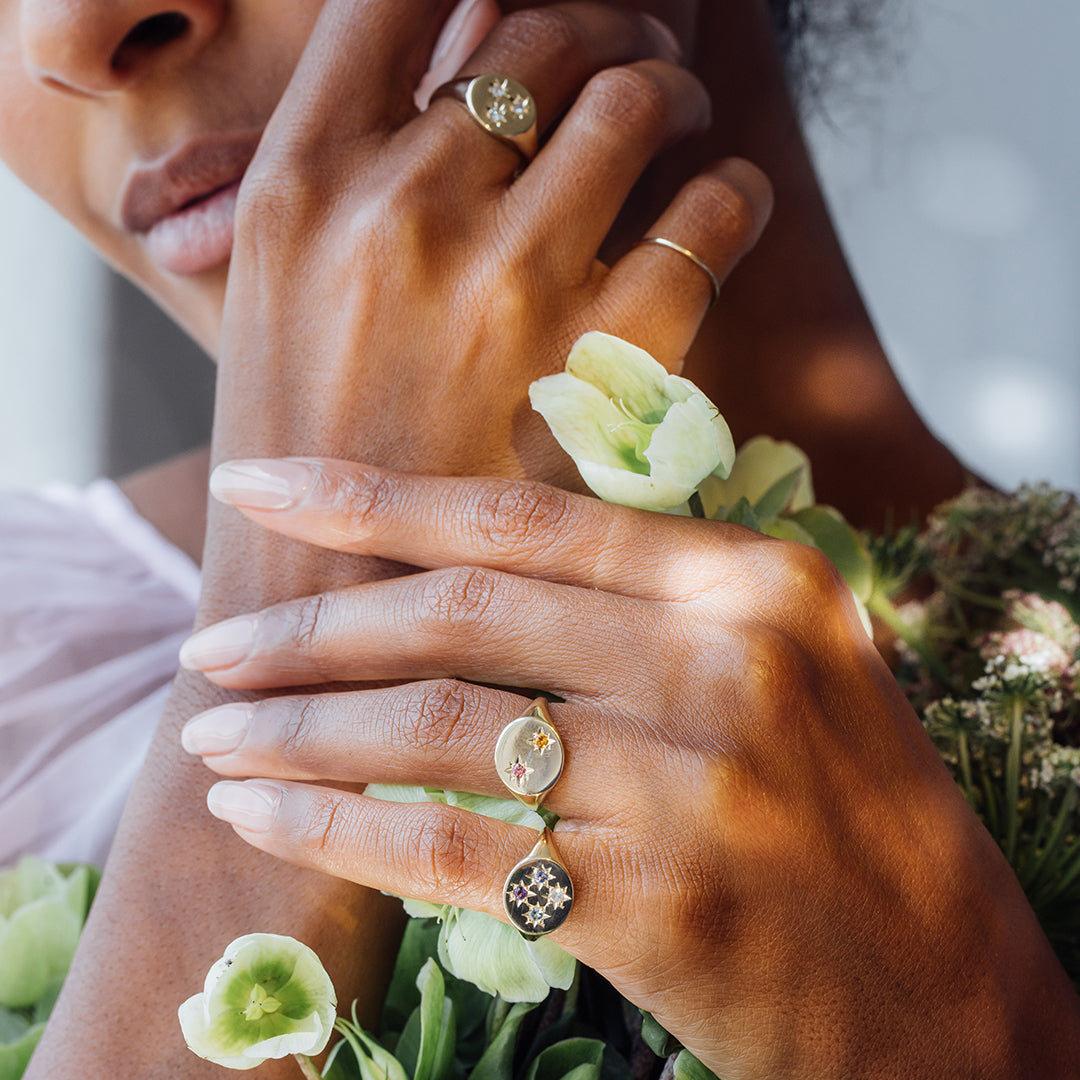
(953, 170)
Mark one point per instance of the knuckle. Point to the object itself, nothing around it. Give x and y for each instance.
(364, 497)
(720, 203)
(513, 517)
(461, 595)
(298, 730)
(447, 849)
(556, 30)
(627, 99)
(811, 576)
(430, 722)
(306, 624)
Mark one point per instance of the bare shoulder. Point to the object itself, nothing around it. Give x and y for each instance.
(172, 497)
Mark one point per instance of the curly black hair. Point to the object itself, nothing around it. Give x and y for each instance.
(817, 36)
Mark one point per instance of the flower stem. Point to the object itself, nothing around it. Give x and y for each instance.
(1012, 777)
(880, 605)
(308, 1067)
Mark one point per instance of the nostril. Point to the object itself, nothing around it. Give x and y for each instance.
(148, 36)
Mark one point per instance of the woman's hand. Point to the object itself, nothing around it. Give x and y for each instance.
(767, 852)
(399, 278)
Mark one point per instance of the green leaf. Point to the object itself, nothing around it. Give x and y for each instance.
(377, 1063)
(742, 513)
(571, 1059)
(687, 1067)
(438, 1036)
(498, 1060)
(777, 497)
(407, 1048)
(844, 546)
(418, 945)
(656, 1037)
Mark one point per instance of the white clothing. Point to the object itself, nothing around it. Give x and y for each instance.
(94, 604)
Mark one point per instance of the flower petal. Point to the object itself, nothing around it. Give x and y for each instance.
(623, 373)
(586, 423)
(759, 464)
(492, 955)
(633, 489)
(687, 446)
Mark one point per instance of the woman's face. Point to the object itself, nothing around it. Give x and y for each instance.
(137, 118)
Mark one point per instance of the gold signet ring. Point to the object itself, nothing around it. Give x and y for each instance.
(529, 755)
(538, 894)
(501, 106)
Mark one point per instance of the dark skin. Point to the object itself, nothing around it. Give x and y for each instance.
(354, 390)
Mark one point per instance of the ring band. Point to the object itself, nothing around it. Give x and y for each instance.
(501, 106)
(713, 280)
(529, 755)
(538, 893)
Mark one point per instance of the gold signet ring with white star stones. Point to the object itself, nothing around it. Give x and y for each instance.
(538, 894)
(501, 106)
(529, 755)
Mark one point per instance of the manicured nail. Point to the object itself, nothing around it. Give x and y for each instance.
(266, 484)
(665, 36)
(220, 646)
(217, 731)
(252, 804)
(451, 30)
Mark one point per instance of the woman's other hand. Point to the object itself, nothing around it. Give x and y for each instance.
(398, 278)
(767, 852)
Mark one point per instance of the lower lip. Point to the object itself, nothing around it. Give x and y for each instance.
(197, 238)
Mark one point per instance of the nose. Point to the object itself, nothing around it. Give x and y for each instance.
(92, 47)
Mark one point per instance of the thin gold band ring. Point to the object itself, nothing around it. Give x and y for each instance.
(700, 263)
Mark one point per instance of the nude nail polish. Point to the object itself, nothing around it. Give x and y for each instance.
(217, 731)
(252, 804)
(263, 484)
(221, 646)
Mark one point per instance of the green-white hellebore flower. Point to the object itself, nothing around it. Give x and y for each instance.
(638, 435)
(762, 466)
(475, 946)
(267, 997)
(42, 910)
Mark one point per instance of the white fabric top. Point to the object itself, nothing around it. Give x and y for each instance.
(94, 604)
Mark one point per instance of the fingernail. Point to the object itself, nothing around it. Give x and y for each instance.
(251, 804)
(451, 29)
(217, 731)
(220, 646)
(266, 484)
(665, 37)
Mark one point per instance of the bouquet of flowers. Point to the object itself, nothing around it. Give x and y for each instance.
(990, 659)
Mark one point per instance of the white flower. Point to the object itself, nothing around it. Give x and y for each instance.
(267, 997)
(41, 916)
(762, 465)
(638, 435)
(475, 946)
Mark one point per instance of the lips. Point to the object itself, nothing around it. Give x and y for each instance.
(183, 206)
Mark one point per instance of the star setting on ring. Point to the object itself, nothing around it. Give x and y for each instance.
(505, 105)
(519, 772)
(536, 896)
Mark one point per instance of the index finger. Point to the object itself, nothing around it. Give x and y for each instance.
(388, 41)
(520, 527)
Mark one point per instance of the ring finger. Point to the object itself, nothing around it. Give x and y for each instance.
(553, 51)
(440, 733)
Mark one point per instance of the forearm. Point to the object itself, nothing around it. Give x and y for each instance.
(179, 885)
